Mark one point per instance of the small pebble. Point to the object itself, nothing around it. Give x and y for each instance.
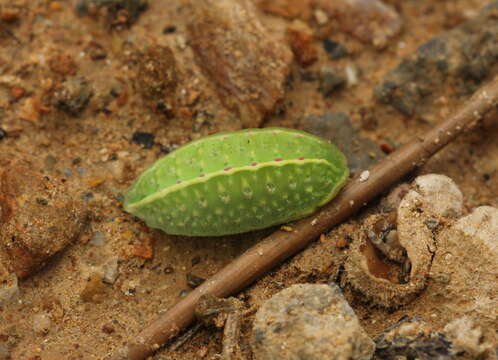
(108, 329)
(302, 45)
(110, 270)
(320, 17)
(442, 194)
(330, 80)
(143, 138)
(194, 281)
(351, 75)
(9, 287)
(41, 324)
(334, 50)
(195, 260)
(364, 176)
(94, 290)
(432, 224)
(87, 196)
(170, 29)
(73, 96)
(3, 134)
(98, 239)
(168, 270)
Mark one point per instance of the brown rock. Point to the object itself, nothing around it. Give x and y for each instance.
(247, 65)
(371, 21)
(156, 73)
(63, 64)
(94, 290)
(38, 218)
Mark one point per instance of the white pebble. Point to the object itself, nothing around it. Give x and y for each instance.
(364, 176)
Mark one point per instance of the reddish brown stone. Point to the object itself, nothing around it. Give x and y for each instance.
(302, 46)
(145, 249)
(63, 64)
(38, 218)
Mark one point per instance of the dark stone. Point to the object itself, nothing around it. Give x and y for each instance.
(3, 134)
(165, 149)
(194, 281)
(143, 138)
(361, 152)
(73, 96)
(424, 345)
(330, 80)
(170, 29)
(460, 59)
(334, 49)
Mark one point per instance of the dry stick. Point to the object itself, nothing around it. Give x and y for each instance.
(279, 246)
(231, 336)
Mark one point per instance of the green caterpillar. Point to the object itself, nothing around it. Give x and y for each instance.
(234, 182)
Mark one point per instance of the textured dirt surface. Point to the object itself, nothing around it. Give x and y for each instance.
(80, 100)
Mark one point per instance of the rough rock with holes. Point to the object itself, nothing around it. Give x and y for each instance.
(309, 321)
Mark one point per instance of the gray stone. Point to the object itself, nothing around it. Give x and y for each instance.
(330, 80)
(361, 152)
(9, 288)
(309, 322)
(460, 59)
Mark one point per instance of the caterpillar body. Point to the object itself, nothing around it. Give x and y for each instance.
(235, 182)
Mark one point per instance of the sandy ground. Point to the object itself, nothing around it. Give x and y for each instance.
(99, 153)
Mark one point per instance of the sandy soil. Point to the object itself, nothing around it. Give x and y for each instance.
(99, 152)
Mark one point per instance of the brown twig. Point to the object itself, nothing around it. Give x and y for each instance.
(279, 246)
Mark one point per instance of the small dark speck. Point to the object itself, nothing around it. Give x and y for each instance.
(87, 196)
(3, 134)
(168, 269)
(42, 201)
(194, 281)
(195, 260)
(486, 177)
(334, 50)
(143, 138)
(114, 92)
(165, 149)
(76, 161)
(170, 29)
(309, 76)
